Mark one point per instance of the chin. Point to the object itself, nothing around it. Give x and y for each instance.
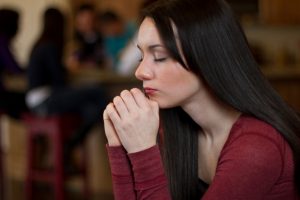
(165, 105)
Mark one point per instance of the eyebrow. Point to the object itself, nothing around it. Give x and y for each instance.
(151, 47)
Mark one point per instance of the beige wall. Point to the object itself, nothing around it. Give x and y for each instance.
(126, 8)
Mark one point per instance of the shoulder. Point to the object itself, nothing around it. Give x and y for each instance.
(253, 140)
(250, 127)
(255, 154)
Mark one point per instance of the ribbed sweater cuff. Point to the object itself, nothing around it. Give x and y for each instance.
(147, 168)
(119, 164)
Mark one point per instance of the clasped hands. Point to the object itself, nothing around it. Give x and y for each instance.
(131, 120)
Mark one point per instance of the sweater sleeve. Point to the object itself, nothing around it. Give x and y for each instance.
(247, 169)
(122, 177)
(149, 175)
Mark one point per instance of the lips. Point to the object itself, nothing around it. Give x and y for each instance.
(149, 91)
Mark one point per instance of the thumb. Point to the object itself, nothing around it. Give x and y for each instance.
(110, 132)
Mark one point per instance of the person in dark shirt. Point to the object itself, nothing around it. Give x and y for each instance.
(11, 102)
(49, 92)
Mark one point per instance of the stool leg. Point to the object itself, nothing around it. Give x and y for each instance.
(29, 181)
(1, 171)
(58, 167)
(86, 186)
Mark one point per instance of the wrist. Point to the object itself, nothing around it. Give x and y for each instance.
(114, 143)
(139, 148)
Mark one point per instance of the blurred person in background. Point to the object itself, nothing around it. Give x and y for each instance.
(116, 35)
(11, 102)
(89, 49)
(124, 52)
(49, 93)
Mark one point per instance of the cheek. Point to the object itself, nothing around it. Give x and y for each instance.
(180, 79)
(178, 87)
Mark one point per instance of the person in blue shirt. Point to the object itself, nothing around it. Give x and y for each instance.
(116, 34)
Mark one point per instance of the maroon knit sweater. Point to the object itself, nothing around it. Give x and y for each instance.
(255, 163)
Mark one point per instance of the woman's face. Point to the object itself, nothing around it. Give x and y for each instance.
(165, 80)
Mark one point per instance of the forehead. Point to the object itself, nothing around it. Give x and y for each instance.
(148, 34)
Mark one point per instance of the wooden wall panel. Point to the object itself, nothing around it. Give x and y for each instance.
(280, 11)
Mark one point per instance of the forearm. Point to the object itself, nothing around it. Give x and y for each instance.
(122, 177)
(149, 176)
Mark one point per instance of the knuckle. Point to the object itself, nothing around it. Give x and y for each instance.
(109, 109)
(117, 100)
(134, 91)
(125, 93)
(124, 125)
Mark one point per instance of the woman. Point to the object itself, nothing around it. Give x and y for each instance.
(49, 93)
(226, 134)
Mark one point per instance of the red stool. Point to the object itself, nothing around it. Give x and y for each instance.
(56, 129)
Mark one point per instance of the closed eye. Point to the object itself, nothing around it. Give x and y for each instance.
(160, 59)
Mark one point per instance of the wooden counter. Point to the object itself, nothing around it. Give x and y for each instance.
(281, 73)
(287, 82)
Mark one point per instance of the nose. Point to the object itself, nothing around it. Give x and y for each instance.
(143, 72)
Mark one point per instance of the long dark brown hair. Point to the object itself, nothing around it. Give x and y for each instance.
(215, 48)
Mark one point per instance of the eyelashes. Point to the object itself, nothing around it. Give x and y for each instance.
(156, 59)
(160, 59)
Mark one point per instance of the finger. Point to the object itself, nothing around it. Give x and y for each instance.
(110, 132)
(139, 97)
(112, 113)
(129, 100)
(105, 115)
(108, 126)
(120, 107)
